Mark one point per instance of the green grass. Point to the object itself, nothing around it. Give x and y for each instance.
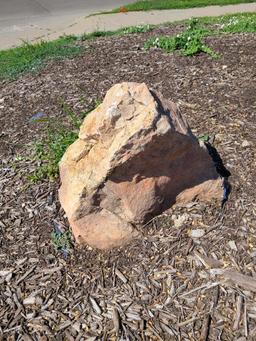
(191, 41)
(30, 57)
(148, 5)
(121, 32)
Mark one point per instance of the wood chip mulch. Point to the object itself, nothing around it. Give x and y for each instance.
(193, 275)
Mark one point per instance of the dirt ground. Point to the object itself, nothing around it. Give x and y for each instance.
(168, 285)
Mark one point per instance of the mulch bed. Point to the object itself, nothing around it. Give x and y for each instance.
(169, 285)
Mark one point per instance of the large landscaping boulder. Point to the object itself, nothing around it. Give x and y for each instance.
(135, 157)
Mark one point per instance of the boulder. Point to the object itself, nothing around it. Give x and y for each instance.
(135, 157)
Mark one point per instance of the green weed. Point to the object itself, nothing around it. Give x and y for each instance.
(50, 149)
(204, 137)
(61, 241)
(189, 42)
(239, 23)
(73, 118)
(18, 158)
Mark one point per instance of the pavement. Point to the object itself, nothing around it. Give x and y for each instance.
(33, 20)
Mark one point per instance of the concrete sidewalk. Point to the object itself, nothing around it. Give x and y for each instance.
(31, 19)
(118, 20)
(53, 29)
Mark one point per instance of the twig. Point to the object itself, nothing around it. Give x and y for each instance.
(216, 297)
(95, 306)
(245, 321)
(25, 275)
(205, 286)
(153, 330)
(116, 321)
(208, 262)
(244, 281)
(239, 305)
(120, 275)
(206, 328)
(184, 323)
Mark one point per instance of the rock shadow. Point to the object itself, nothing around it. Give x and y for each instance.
(165, 167)
(221, 170)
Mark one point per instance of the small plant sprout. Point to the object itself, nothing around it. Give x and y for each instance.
(62, 241)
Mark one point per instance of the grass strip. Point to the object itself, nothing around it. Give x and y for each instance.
(30, 57)
(148, 5)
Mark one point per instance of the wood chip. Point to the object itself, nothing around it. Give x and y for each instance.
(116, 321)
(25, 275)
(121, 276)
(208, 262)
(95, 306)
(244, 281)
(239, 304)
(205, 328)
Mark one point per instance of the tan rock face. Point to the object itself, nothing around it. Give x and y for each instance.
(135, 157)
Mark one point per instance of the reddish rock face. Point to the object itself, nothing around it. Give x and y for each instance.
(135, 157)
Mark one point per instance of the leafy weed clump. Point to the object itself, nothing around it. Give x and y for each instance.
(52, 146)
(189, 42)
(49, 151)
(58, 137)
(62, 241)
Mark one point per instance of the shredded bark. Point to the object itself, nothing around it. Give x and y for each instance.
(168, 285)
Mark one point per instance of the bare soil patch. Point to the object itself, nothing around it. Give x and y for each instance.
(168, 286)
